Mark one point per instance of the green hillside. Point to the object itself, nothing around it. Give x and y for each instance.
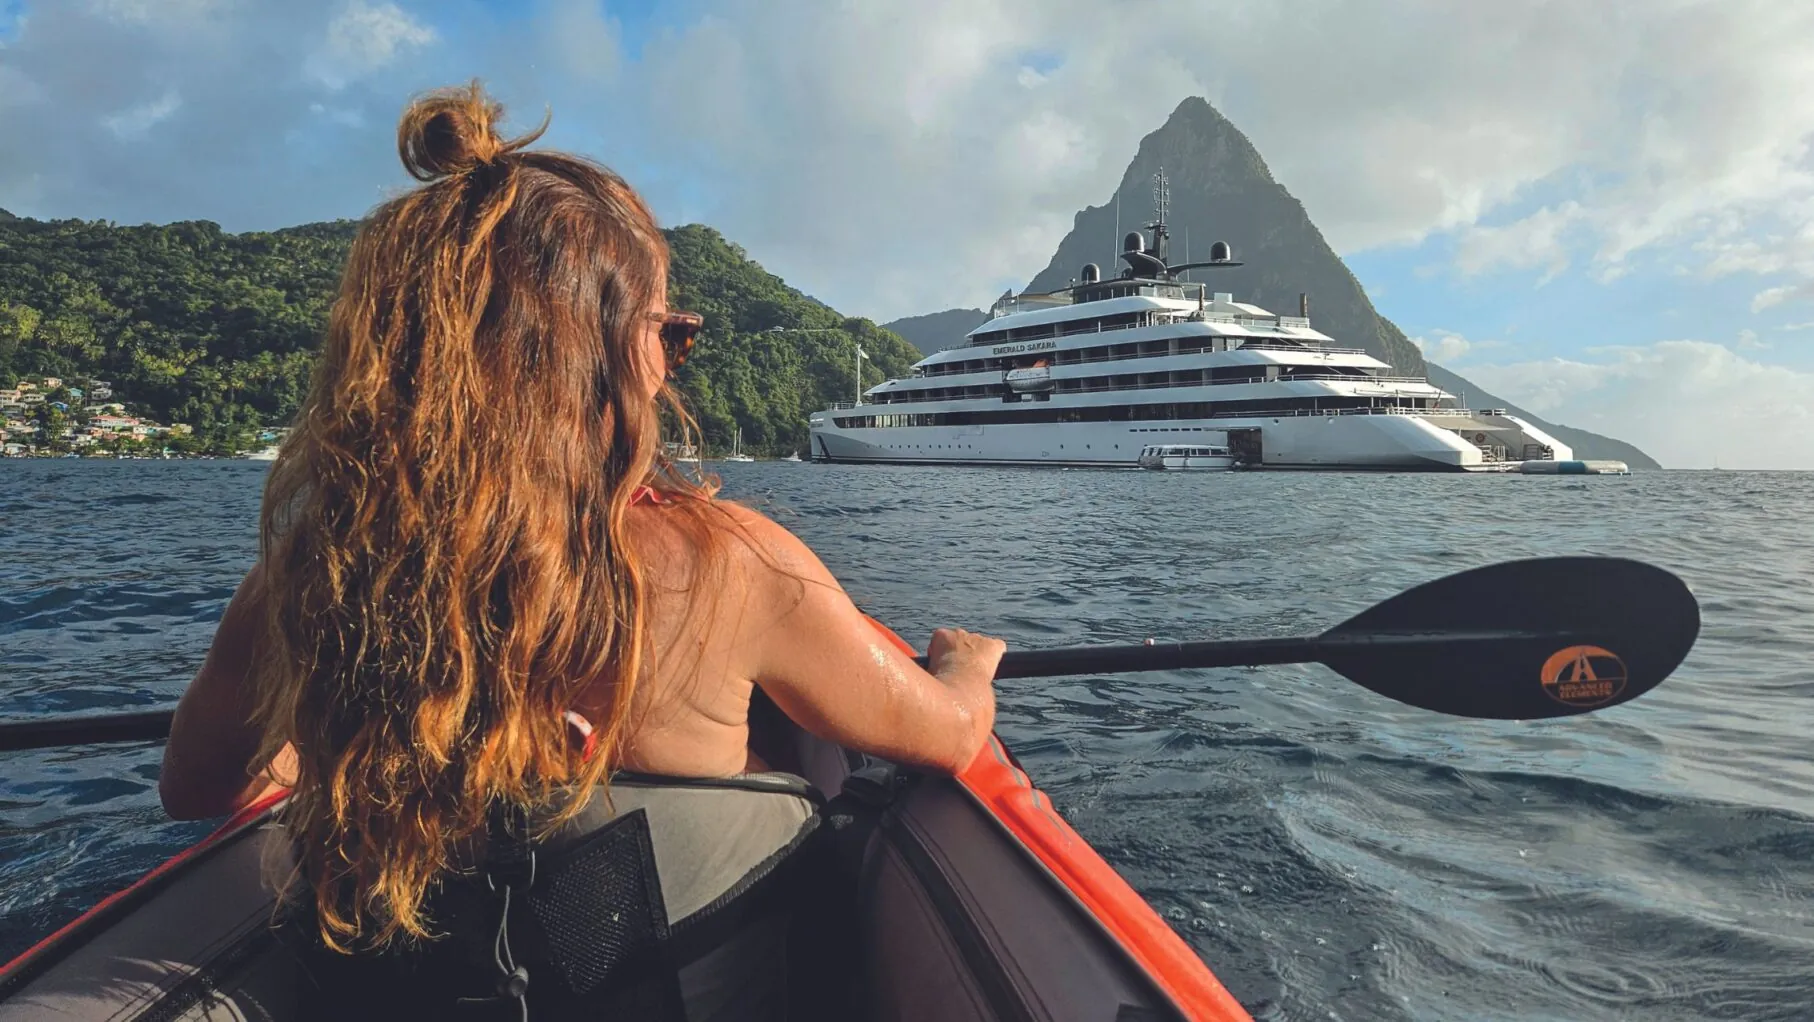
(191, 324)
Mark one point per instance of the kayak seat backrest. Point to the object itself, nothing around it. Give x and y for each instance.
(959, 922)
(671, 902)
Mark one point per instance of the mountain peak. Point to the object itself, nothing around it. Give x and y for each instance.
(1221, 190)
(1197, 146)
(1195, 112)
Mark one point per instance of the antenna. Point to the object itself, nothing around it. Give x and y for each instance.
(1162, 201)
(1117, 247)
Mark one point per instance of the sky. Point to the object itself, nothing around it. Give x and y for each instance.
(1601, 211)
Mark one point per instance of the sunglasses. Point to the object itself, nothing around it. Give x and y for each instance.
(678, 332)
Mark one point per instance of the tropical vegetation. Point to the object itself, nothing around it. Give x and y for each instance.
(190, 324)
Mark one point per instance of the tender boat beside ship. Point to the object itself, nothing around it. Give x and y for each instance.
(1092, 374)
(1186, 456)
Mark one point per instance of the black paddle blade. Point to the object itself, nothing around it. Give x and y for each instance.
(1522, 640)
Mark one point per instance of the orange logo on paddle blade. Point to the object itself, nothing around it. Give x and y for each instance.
(1584, 676)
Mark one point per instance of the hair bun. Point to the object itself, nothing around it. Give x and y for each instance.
(452, 131)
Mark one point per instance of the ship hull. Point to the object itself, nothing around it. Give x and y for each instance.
(1380, 442)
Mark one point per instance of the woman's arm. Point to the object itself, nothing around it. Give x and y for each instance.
(830, 670)
(208, 762)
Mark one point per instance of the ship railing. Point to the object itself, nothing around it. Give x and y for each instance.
(902, 396)
(1256, 343)
(1321, 413)
(1267, 344)
(1326, 412)
(1284, 413)
(1171, 318)
(1097, 327)
(1318, 377)
(1234, 319)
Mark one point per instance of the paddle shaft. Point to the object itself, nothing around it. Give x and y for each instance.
(143, 726)
(1178, 656)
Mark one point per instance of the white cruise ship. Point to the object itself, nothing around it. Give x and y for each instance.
(1094, 373)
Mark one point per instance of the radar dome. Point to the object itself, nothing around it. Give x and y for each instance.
(1220, 252)
(1091, 273)
(1133, 242)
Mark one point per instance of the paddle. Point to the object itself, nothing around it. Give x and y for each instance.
(1521, 640)
(1550, 637)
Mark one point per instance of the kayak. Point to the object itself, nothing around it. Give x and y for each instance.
(976, 901)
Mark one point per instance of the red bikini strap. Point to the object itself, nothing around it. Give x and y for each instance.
(588, 737)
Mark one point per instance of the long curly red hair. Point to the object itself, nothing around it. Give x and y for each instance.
(445, 558)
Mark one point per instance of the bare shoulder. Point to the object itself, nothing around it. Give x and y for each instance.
(746, 549)
(771, 551)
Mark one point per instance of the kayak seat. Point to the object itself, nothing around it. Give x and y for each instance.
(669, 900)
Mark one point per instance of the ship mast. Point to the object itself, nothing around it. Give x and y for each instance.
(1162, 205)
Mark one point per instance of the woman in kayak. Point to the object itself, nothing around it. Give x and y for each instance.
(473, 552)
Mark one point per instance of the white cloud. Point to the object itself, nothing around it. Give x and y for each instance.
(135, 121)
(363, 38)
(1445, 348)
(892, 160)
(1777, 295)
(1535, 241)
(1687, 403)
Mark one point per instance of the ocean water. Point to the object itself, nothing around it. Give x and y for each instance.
(1331, 854)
